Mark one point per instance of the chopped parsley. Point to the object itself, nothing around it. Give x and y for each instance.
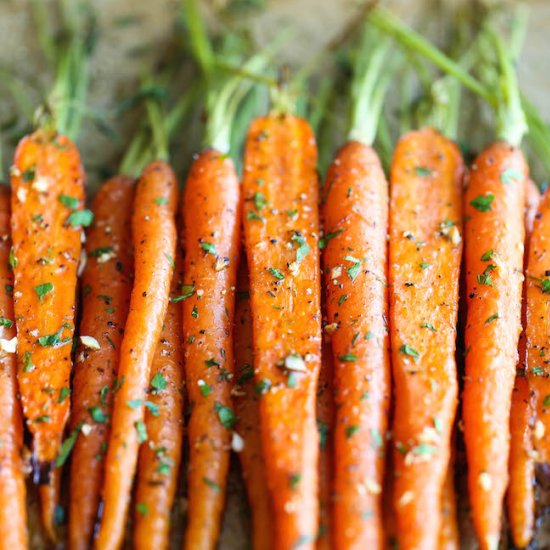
(209, 248)
(303, 248)
(186, 292)
(429, 326)
(69, 202)
(161, 200)
(67, 446)
(411, 352)
(8, 323)
(276, 273)
(492, 318)
(348, 358)
(486, 257)
(352, 430)
(97, 414)
(158, 382)
(510, 175)
(422, 171)
(483, 203)
(43, 289)
(226, 415)
(81, 218)
(141, 431)
(330, 235)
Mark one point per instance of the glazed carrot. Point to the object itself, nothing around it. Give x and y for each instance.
(13, 513)
(325, 414)
(281, 236)
(47, 218)
(49, 501)
(154, 240)
(245, 399)
(521, 490)
(355, 267)
(105, 290)
(449, 536)
(494, 236)
(159, 460)
(211, 220)
(425, 254)
(536, 328)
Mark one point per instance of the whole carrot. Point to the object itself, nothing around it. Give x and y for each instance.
(154, 240)
(281, 235)
(159, 460)
(211, 218)
(246, 403)
(536, 328)
(521, 491)
(449, 536)
(355, 263)
(13, 513)
(355, 268)
(494, 209)
(425, 254)
(105, 289)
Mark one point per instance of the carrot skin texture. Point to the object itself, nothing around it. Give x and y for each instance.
(493, 326)
(13, 512)
(47, 249)
(159, 460)
(246, 403)
(355, 268)
(424, 266)
(521, 490)
(211, 221)
(154, 238)
(280, 189)
(325, 426)
(105, 290)
(537, 329)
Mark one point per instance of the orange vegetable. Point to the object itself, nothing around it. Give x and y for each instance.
(105, 289)
(211, 235)
(424, 266)
(494, 239)
(159, 460)
(449, 535)
(47, 218)
(537, 328)
(281, 234)
(13, 512)
(521, 491)
(245, 399)
(355, 266)
(154, 239)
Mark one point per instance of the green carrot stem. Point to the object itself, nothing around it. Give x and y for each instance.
(412, 40)
(200, 42)
(384, 143)
(538, 136)
(368, 89)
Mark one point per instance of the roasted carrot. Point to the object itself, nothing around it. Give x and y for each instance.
(47, 218)
(211, 220)
(494, 235)
(425, 253)
(13, 513)
(154, 240)
(159, 460)
(245, 399)
(536, 328)
(325, 425)
(355, 266)
(105, 289)
(281, 235)
(521, 490)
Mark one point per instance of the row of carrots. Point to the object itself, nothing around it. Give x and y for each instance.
(297, 324)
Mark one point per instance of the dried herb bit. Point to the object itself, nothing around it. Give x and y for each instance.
(69, 202)
(7, 323)
(212, 484)
(485, 277)
(81, 218)
(324, 240)
(511, 175)
(141, 431)
(158, 382)
(348, 358)
(351, 431)
(483, 203)
(226, 415)
(487, 256)
(492, 318)
(411, 352)
(303, 248)
(67, 446)
(186, 292)
(277, 273)
(42, 290)
(422, 171)
(209, 248)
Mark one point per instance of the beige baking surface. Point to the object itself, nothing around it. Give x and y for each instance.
(115, 72)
